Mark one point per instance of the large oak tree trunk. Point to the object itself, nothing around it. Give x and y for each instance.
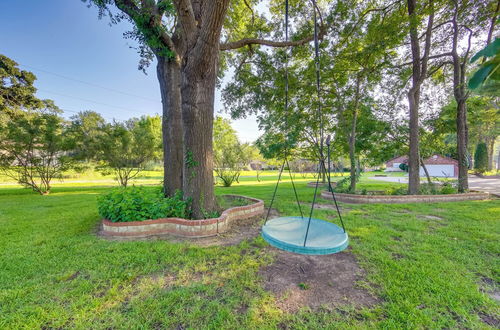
(169, 77)
(199, 76)
(198, 112)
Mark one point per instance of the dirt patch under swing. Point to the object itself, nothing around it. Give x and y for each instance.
(316, 281)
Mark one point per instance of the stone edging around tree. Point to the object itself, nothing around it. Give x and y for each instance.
(402, 199)
(184, 227)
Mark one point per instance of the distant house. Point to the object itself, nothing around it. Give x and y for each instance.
(392, 165)
(437, 166)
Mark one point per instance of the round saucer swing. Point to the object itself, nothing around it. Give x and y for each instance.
(305, 234)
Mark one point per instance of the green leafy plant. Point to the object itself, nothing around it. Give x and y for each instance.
(140, 203)
(488, 69)
(428, 189)
(448, 188)
(303, 286)
(397, 191)
(343, 185)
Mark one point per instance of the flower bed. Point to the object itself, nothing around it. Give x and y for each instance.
(401, 199)
(184, 227)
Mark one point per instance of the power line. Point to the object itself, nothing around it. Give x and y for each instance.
(90, 84)
(77, 112)
(92, 101)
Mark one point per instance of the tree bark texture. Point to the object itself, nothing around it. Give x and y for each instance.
(199, 75)
(461, 96)
(491, 150)
(169, 78)
(419, 72)
(352, 136)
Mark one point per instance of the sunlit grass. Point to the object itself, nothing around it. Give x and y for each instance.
(55, 273)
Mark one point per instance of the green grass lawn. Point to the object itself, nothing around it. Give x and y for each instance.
(55, 272)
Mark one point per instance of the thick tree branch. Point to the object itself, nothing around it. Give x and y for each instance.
(154, 20)
(271, 43)
(186, 15)
(427, 48)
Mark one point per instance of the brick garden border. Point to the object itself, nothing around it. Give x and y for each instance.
(183, 227)
(402, 199)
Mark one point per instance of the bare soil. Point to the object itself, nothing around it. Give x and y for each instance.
(316, 281)
(430, 217)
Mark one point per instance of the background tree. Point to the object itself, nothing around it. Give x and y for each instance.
(84, 133)
(354, 49)
(481, 158)
(33, 147)
(230, 156)
(419, 73)
(483, 116)
(125, 148)
(16, 88)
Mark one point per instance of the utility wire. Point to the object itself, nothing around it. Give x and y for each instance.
(92, 101)
(89, 83)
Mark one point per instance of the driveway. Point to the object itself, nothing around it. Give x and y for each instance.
(491, 185)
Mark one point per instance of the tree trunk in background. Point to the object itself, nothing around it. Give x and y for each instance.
(419, 72)
(352, 136)
(461, 96)
(491, 152)
(463, 161)
(168, 72)
(414, 153)
(429, 181)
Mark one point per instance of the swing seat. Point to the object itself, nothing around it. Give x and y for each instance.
(288, 233)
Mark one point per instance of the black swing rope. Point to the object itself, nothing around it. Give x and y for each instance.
(319, 145)
(285, 160)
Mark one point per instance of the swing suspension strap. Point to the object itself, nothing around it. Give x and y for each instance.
(285, 158)
(319, 144)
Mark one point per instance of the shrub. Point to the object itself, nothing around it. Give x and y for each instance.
(343, 186)
(447, 188)
(403, 167)
(139, 203)
(481, 158)
(428, 189)
(397, 191)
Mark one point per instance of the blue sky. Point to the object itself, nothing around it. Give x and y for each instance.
(65, 44)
